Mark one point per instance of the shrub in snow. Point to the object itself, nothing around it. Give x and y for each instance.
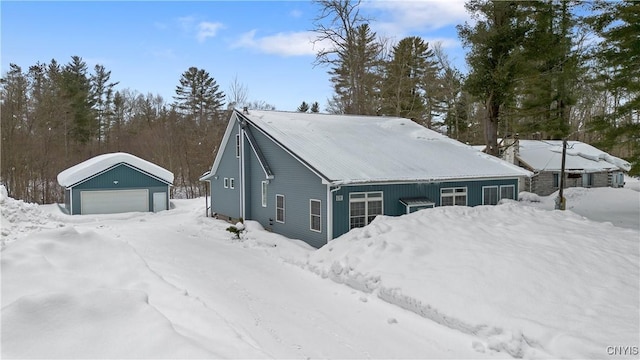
(237, 229)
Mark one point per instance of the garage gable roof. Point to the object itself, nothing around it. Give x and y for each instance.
(95, 165)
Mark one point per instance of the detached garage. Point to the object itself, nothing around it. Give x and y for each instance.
(115, 183)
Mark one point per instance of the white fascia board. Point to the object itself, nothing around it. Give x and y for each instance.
(422, 181)
(113, 167)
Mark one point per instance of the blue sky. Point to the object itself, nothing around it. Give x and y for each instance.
(265, 45)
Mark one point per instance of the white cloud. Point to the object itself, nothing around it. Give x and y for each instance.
(398, 18)
(207, 30)
(295, 13)
(186, 22)
(284, 43)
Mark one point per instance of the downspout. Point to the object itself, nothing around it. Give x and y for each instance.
(242, 174)
(330, 211)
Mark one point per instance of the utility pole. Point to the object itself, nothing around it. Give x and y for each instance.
(561, 202)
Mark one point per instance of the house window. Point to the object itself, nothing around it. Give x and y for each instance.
(363, 208)
(315, 219)
(489, 195)
(507, 192)
(280, 208)
(264, 194)
(226, 183)
(453, 196)
(232, 183)
(556, 180)
(238, 145)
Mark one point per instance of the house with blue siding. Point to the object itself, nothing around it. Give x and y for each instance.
(316, 176)
(115, 183)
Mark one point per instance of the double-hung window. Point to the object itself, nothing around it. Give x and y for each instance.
(280, 208)
(489, 195)
(507, 192)
(226, 183)
(315, 216)
(232, 183)
(453, 196)
(363, 208)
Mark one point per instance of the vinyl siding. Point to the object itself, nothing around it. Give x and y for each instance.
(392, 193)
(127, 177)
(292, 179)
(227, 201)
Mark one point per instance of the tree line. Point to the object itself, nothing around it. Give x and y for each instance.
(536, 68)
(57, 115)
(548, 69)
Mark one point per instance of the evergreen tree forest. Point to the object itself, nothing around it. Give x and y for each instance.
(548, 69)
(536, 69)
(57, 115)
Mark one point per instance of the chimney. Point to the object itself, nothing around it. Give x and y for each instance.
(245, 110)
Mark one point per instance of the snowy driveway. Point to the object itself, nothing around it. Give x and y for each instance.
(280, 309)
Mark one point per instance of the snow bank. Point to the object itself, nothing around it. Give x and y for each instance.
(632, 183)
(529, 282)
(67, 294)
(620, 207)
(20, 218)
(95, 324)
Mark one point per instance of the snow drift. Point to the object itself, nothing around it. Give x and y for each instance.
(530, 282)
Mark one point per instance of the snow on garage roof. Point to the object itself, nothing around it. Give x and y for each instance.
(357, 149)
(547, 155)
(88, 168)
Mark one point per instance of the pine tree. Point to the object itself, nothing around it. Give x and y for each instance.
(618, 23)
(353, 57)
(551, 69)
(304, 107)
(77, 93)
(102, 94)
(198, 96)
(315, 107)
(408, 77)
(494, 58)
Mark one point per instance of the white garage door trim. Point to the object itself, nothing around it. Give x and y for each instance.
(114, 201)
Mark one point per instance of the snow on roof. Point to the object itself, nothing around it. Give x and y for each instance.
(88, 168)
(547, 155)
(356, 149)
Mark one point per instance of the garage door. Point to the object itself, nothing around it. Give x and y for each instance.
(114, 201)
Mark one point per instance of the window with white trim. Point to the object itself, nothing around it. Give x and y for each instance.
(237, 145)
(489, 195)
(226, 183)
(264, 193)
(232, 183)
(315, 217)
(507, 192)
(453, 196)
(280, 208)
(363, 208)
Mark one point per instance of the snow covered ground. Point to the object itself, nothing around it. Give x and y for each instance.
(513, 280)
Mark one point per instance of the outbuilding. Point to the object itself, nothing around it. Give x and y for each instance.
(115, 183)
